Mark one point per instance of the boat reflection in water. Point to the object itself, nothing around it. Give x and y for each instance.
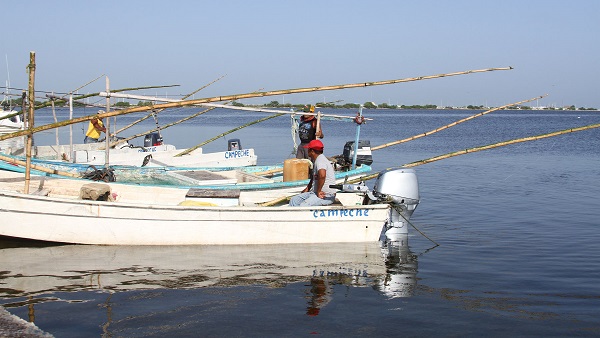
(30, 274)
(401, 270)
(396, 277)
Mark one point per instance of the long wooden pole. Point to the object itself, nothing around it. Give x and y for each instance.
(240, 96)
(216, 105)
(149, 115)
(30, 121)
(14, 161)
(189, 150)
(481, 148)
(86, 96)
(164, 127)
(107, 127)
(501, 144)
(453, 124)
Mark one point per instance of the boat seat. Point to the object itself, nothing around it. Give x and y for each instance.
(209, 193)
(210, 197)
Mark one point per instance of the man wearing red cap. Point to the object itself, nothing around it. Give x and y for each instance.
(317, 192)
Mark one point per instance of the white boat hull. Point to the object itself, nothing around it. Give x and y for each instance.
(119, 223)
(160, 156)
(166, 156)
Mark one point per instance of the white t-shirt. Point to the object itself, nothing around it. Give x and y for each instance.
(323, 163)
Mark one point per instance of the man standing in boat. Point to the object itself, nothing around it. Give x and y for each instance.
(95, 127)
(317, 192)
(309, 129)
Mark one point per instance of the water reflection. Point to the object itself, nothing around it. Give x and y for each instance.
(401, 270)
(32, 275)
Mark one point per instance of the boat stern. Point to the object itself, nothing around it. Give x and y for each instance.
(400, 188)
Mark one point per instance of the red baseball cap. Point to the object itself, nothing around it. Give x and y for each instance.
(315, 144)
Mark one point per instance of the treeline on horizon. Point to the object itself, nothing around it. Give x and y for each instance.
(299, 107)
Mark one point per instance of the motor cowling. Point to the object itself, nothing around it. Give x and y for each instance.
(153, 139)
(363, 154)
(399, 186)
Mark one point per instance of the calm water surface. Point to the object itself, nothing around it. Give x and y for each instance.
(518, 229)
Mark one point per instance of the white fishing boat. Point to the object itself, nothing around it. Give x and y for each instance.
(154, 153)
(256, 184)
(10, 121)
(72, 211)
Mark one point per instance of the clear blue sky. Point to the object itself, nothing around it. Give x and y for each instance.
(267, 45)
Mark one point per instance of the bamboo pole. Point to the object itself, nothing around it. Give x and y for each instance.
(236, 97)
(215, 105)
(452, 124)
(52, 98)
(147, 116)
(14, 161)
(43, 105)
(164, 127)
(189, 150)
(500, 144)
(85, 96)
(481, 148)
(275, 201)
(107, 127)
(71, 151)
(30, 120)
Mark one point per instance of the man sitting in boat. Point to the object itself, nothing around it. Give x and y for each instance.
(95, 127)
(308, 130)
(317, 192)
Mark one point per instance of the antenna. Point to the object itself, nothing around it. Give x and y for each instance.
(8, 83)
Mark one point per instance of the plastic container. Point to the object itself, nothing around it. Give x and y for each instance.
(295, 169)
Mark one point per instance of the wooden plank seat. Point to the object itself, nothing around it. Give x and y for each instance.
(209, 193)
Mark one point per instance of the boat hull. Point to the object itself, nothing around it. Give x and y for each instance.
(116, 223)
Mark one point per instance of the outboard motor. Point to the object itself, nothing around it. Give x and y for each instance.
(153, 139)
(363, 156)
(234, 144)
(400, 188)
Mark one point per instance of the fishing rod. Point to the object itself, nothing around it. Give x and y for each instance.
(236, 97)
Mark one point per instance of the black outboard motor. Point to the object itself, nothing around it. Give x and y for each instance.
(363, 155)
(153, 139)
(234, 144)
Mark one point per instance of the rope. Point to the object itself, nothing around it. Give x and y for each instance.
(104, 174)
(294, 130)
(399, 209)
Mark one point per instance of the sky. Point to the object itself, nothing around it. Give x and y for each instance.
(265, 45)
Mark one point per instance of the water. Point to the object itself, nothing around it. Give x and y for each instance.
(517, 229)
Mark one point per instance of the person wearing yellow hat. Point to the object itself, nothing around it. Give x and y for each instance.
(308, 130)
(317, 192)
(95, 127)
